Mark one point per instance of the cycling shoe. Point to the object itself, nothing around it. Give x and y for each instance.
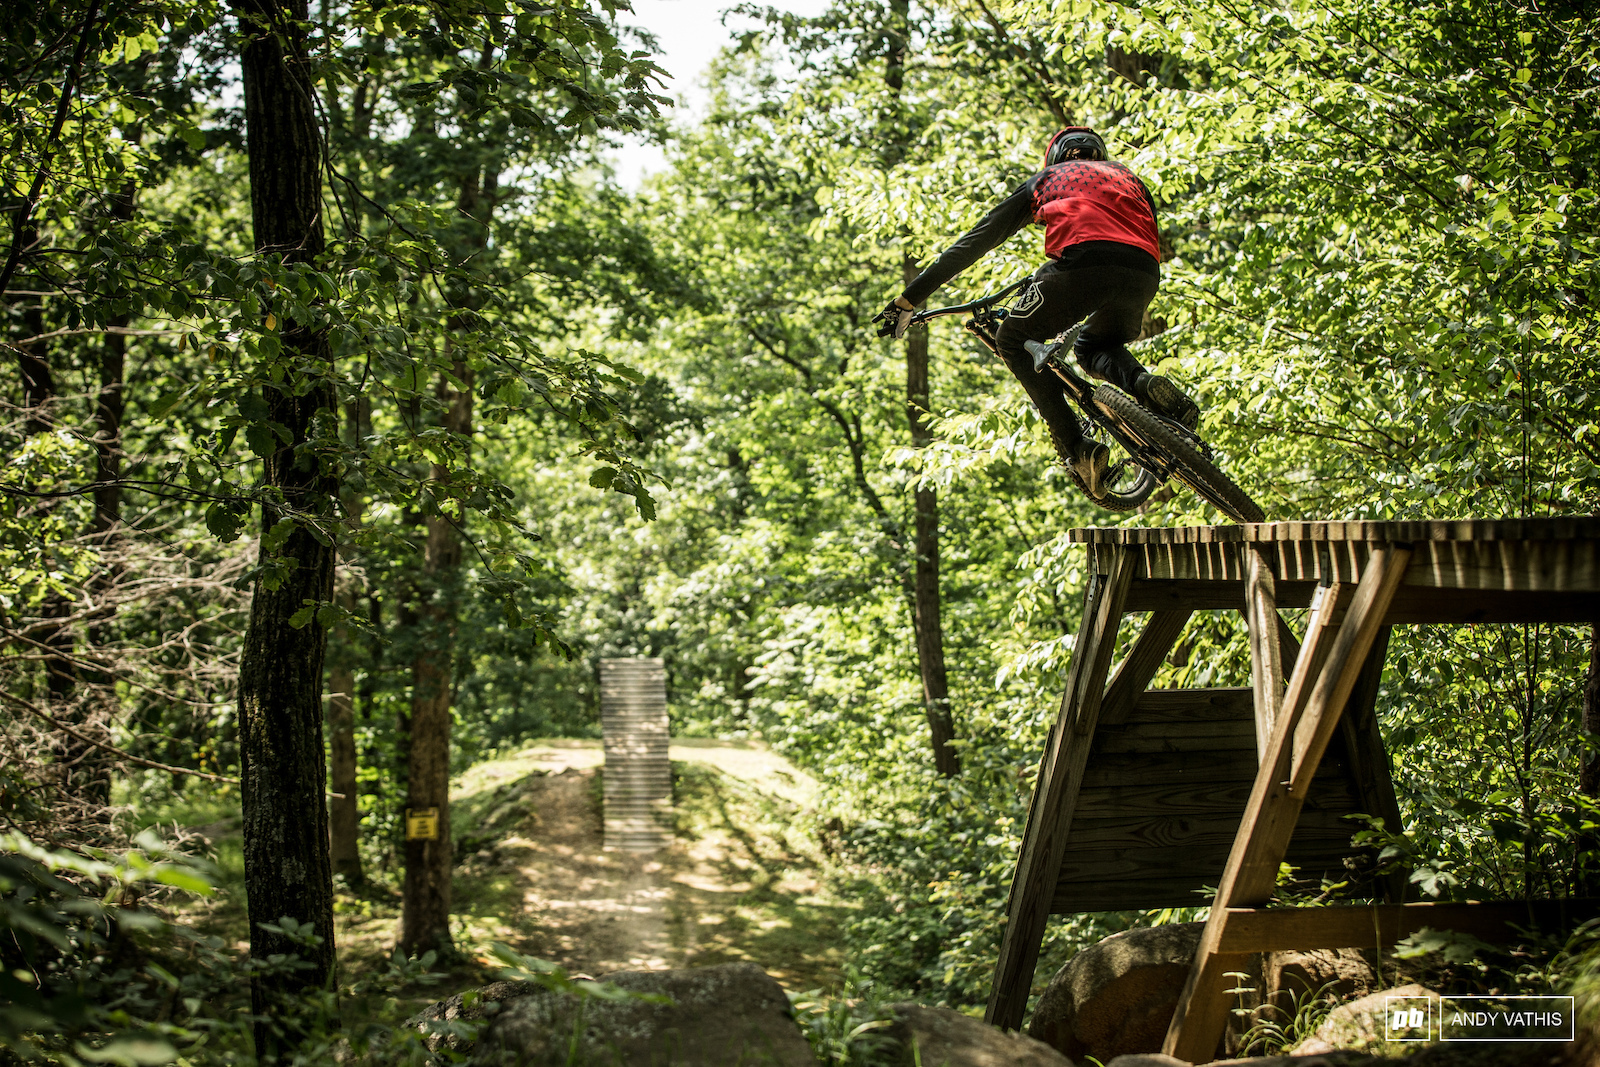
(1091, 463)
(1162, 397)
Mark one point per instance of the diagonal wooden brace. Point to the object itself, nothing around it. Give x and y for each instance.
(1337, 641)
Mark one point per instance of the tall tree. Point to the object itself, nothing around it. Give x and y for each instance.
(283, 765)
(926, 613)
(344, 807)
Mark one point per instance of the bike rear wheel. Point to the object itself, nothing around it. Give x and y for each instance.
(1189, 466)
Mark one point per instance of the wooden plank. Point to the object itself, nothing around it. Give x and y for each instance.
(1205, 736)
(1220, 766)
(1421, 604)
(1420, 532)
(1509, 565)
(1202, 830)
(1156, 797)
(1266, 653)
(1055, 795)
(1323, 851)
(1197, 575)
(1364, 926)
(1188, 705)
(1144, 892)
(638, 778)
(1316, 692)
(1160, 632)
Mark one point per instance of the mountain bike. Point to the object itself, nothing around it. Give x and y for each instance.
(1156, 448)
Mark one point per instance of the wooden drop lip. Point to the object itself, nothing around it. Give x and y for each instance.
(638, 773)
(1140, 792)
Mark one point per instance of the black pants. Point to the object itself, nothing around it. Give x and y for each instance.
(1108, 287)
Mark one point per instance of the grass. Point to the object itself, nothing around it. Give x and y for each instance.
(743, 880)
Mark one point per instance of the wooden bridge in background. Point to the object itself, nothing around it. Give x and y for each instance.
(1145, 796)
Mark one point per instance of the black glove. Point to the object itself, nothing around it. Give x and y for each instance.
(893, 320)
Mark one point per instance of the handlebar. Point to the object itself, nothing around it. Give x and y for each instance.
(981, 304)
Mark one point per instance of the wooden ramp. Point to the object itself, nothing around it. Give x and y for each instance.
(638, 775)
(1163, 790)
(1143, 797)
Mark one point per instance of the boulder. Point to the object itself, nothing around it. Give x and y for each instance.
(940, 1037)
(1117, 996)
(1357, 1025)
(723, 1016)
(1342, 974)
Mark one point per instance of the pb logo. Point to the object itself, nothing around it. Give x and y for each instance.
(1408, 1018)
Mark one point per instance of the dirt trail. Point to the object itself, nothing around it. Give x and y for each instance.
(735, 883)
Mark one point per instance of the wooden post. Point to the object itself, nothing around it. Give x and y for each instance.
(1060, 775)
(1266, 652)
(1335, 650)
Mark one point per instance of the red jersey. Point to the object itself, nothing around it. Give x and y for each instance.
(1093, 200)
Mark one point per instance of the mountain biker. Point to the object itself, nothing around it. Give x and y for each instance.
(1100, 235)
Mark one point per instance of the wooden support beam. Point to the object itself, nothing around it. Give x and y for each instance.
(1044, 842)
(1266, 649)
(1160, 633)
(1336, 646)
(1252, 930)
(1412, 604)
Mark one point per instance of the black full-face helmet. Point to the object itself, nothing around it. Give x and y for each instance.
(1074, 137)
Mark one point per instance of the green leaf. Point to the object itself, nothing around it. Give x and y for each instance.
(184, 879)
(224, 519)
(262, 441)
(603, 477)
(163, 407)
(275, 538)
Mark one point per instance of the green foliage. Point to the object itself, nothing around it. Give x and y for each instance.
(1383, 244)
(1276, 1028)
(846, 1028)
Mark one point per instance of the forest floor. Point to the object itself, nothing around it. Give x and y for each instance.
(741, 880)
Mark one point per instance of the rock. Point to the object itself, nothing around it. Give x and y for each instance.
(1342, 974)
(1357, 1025)
(719, 1016)
(1148, 1059)
(946, 1038)
(1117, 996)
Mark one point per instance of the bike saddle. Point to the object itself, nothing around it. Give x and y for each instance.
(1043, 351)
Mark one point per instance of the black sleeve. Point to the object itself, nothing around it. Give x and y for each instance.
(1009, 216)
(1153, 216)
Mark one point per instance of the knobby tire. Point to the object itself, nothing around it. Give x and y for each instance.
(1188, 465)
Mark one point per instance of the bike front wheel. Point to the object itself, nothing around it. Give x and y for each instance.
(1188, 465)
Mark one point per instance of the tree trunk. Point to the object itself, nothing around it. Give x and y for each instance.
(1589, 771)
(926, 617)
(344, 808)
(100, 701)
(425, 914)
(80, 765)
(283, 765)
(925, 610)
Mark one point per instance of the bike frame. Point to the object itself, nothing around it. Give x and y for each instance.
(984, 324)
